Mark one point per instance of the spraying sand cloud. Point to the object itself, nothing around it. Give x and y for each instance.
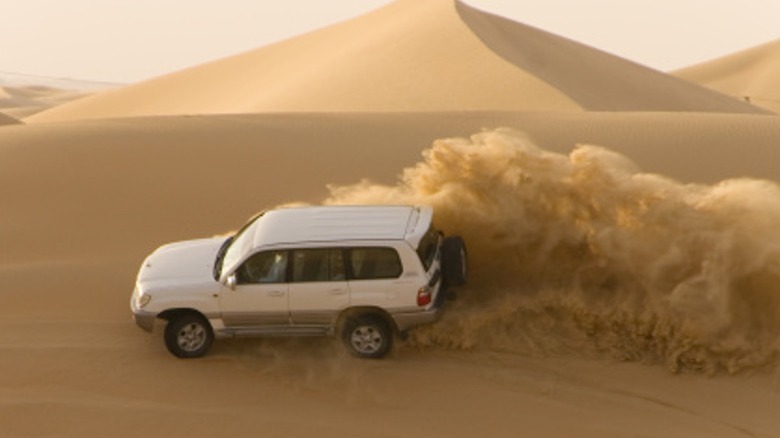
(584, 253)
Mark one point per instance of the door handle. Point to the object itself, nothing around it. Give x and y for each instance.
(276, 293)
(337, 291)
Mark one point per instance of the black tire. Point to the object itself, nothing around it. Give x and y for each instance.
(454, 261)
(367, 337)
(188, 336)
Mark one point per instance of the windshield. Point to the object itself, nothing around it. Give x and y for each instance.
(230, 251)
(221, 257)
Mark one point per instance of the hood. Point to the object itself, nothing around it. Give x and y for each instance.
(182, 262)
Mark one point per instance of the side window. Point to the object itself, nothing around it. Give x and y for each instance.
(321, 264)
(374, 263)
(263, 267)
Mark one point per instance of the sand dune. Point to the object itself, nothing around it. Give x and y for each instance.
(22, 101)
(5, 119)
(626, 291)
(433, 55)
(751, 75)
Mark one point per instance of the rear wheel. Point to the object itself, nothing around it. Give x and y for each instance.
(367, 337)
(454, 261)
(188, 336)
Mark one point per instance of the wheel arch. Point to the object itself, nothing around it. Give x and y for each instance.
(366, 311)
(170, 314)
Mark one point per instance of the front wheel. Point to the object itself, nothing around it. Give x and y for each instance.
(367, 337)
(188, 336)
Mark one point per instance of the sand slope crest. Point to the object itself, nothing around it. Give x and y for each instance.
(22, 101)
(433, 55)
(5, 119)
(751, 75)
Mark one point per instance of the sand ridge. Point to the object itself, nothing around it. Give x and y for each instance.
(5, 119)
(22, 101)
(751, 75)
(432, 55)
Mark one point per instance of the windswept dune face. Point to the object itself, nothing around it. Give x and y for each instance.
(752, 75)
(431, 55)
(5, 119)
(22, 101)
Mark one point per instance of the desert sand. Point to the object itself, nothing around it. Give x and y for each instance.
(621, 225)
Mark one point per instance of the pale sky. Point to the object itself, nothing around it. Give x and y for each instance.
(127, 41)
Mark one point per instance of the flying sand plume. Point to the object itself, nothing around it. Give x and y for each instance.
(584, 253)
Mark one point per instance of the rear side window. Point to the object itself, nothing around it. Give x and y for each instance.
(374, 263)
(428, 246)
(321, 264)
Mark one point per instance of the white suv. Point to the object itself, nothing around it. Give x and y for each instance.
(362, 272)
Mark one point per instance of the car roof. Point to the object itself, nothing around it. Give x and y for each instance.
(341, 223)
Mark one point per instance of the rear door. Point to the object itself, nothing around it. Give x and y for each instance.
(376, 279)
(318, 286)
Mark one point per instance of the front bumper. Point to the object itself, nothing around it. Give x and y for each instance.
(145, 320)
(142, 318)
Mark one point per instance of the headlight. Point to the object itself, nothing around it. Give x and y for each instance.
(143, 300)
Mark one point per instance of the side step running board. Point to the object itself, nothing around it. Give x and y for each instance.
(240, 332)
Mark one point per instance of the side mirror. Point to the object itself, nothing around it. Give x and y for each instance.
(231, 281)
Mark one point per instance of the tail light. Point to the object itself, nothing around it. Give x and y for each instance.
(424, 296)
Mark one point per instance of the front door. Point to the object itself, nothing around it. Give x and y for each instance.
(260, 298)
